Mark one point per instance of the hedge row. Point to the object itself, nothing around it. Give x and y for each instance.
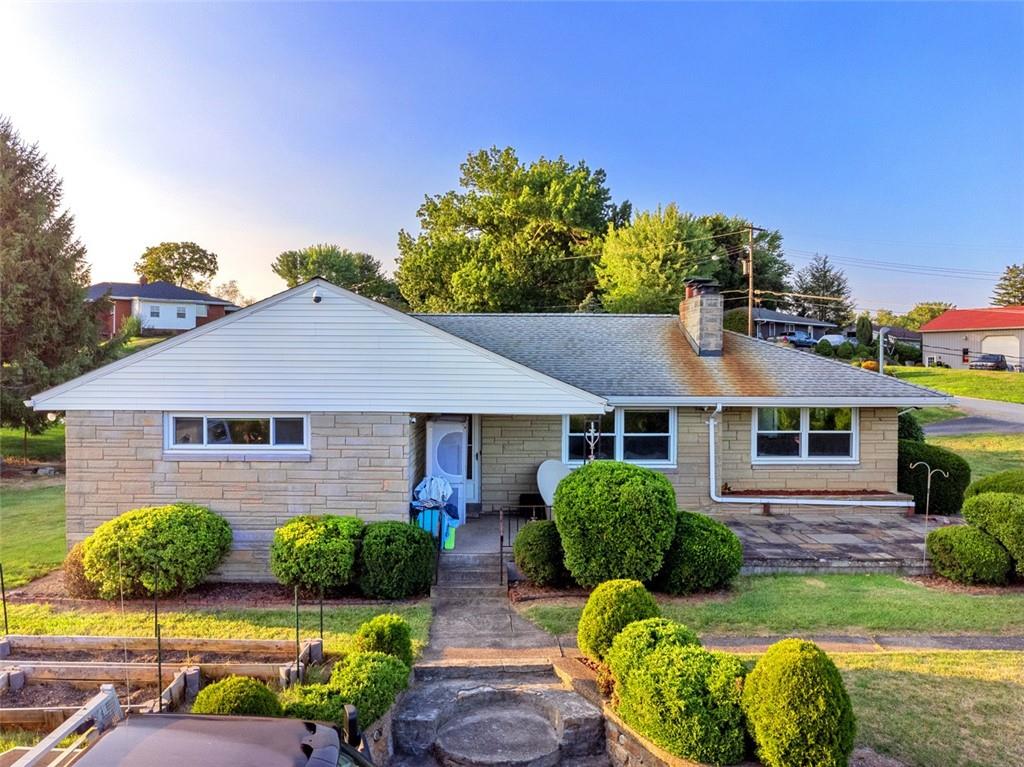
(703, 706)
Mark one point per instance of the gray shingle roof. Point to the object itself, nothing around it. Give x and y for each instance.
(622, 355)
(770, 315)
(157, 291)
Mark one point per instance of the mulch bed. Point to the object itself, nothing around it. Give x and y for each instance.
(822, 493)
(50, 590)
(939, 583)
(176, 657)
(47, 694)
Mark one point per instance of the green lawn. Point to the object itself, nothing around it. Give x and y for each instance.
(842, 604)
(984, 384)
(986, 453)
(956, 709)
(138, 343)
(31, 532)
(48, 446)
(929, 415)
(248, 623)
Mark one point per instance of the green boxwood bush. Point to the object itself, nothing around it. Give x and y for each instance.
(704, 555)
(75, 582)
(947, 494)
(1001, 515)
(387, 633)
(238, 696)
(370, 681)
(797, 709)
(397, 561)
(538, 553)
(640, 638)
(616, 521)
(315, 703)
(968, 555)
(910, 428)
(845, 350)
(611, 607)
(688, 701)
(1009, 481)
(169, 549)
(316, 553)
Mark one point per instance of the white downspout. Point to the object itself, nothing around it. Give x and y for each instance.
(786, 500)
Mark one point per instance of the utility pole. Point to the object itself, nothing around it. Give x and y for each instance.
(749, 268)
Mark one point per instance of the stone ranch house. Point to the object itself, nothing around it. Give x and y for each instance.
(317, 400)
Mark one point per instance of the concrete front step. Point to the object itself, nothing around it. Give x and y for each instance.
(465, 591)
(478, 575)
(451, 560)
(533, 670)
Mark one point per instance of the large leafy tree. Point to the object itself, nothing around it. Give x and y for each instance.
(181, 263)
(923, 312)
(230, 291)
(515, 238)
(771, 269)
(819, 281)
(48, 332)
(359, 272)
(643, 265)
(1009, 291)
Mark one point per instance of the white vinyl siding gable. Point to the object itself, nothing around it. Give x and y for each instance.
(289, 354)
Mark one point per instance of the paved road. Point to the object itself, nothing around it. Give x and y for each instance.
(983, 415)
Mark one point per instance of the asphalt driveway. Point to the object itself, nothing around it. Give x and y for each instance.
(983, 415)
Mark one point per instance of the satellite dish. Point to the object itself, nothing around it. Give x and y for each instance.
(549, 475)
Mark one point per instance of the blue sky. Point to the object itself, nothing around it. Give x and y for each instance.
(887, 132)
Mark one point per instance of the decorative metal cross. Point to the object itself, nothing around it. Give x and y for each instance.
(927, 500)
(592, 437)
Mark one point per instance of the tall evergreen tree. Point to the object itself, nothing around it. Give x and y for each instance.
(1009, 291)
(821, 278)
(48, 333)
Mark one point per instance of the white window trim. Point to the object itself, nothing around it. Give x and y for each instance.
(803, 458)
(619, 426)
(235, 451)
(180, 312)
(151, 307)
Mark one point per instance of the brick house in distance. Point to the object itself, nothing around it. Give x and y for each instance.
(163, 308)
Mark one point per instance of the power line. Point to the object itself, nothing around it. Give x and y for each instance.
(932, 271)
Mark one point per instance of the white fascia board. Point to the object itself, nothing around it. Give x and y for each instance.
(924, 401)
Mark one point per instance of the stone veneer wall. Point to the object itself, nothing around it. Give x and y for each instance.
(514, 446)
(359, 464)
(511, 449)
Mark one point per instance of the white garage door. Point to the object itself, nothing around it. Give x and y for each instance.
(1009, 346)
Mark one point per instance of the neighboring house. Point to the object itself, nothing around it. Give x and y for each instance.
(160, 306)
(317, 400)
(902, 335)
(769, 324)
(958, 336)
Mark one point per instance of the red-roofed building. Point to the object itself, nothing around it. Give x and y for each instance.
(959, 336)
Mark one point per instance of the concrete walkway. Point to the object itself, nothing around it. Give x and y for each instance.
(982, 416)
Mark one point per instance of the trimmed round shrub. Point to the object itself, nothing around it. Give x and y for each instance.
(397, 560)
(947, 494)
(824, 348)
(238, 696)
(641, 638)
(538, 553)
(314, 703)
(688, 701)
(611, 607)
(797, 709)
(1009, 481)
(316, 553)
(169, 549)
(75, 582)
(910, 428)
(370, 681)
(1001, 515)
(704, 555)
(616, 521)
(845, 350)
(968, 555)
(387, 633)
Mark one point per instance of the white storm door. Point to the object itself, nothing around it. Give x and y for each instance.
(446, 457)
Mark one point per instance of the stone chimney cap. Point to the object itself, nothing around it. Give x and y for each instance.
(700, 283)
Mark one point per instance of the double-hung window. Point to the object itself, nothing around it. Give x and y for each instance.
(154, 310)
(180, 312)
(807, 434)
(236, 433)
(635, 435)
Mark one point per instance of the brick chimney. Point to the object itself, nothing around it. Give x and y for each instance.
(143, 280)
(701, 315)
